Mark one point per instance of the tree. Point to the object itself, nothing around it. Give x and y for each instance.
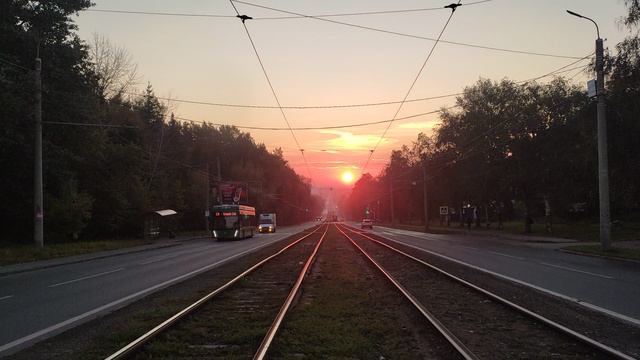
(113, 66)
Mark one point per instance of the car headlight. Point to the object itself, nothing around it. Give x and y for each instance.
(235, 234)
(215, 234)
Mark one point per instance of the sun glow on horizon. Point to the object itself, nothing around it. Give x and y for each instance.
(347, 177)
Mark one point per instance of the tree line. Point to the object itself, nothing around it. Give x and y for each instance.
(526, 151)
(129, 157)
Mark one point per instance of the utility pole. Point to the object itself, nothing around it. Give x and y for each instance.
(426, 203)
(393, 217)
(207, 212)
(218, 166)
(603, 158)
(38, 231)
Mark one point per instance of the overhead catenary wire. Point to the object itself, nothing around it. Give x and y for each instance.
(314, 127)
(361, 13)
(471, 142)
(381, 12)
(273, 91)
(524, 52)
(464, 151)
(413, 83)
(297, 107)
(333, 127)
(339, 106)
(294, 15)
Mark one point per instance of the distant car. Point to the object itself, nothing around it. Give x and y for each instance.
(367, 223)
(318, 218)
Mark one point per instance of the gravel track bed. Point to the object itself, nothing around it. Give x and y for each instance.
(232, 325)
(615, 333)
(489, 329)
(101, 337)
(347, 310)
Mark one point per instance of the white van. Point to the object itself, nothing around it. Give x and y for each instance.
(267, 223)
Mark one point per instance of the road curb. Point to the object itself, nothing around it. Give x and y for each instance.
(38, 265)
(532, 239)
(599, 256)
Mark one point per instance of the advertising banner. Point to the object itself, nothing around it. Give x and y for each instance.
(230, 192)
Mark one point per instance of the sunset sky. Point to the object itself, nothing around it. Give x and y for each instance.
(318, 63)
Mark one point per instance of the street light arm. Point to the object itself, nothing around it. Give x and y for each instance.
(584, 17)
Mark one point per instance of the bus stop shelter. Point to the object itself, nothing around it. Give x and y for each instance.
(159, 222)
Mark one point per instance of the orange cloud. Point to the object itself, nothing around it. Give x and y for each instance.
(344, 140)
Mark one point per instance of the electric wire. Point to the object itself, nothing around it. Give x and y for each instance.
(316, 127)
(381, 12)
(362, 13)
(469, 144)
(339, 106)
(90, 124)
(464, 150)
(273, 91)
(325, 18)
(405, 34)
(158, 13)
(7, 62)
(298, 107)
(413, 83)
(580, 71)
(334, 127)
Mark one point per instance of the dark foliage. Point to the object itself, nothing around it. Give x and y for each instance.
(100, 181)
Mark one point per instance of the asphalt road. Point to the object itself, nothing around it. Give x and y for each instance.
(612, 285)
(38, 304)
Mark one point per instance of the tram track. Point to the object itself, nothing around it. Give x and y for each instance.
(338, 297)
(477, 322)
(220, 323)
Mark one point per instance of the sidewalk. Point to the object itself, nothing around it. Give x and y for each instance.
(36, 265)
(509, 236)
(488, 233)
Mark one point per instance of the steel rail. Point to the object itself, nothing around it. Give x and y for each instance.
(554, 325)
(275, 326)
(137, 343)
(442, 329)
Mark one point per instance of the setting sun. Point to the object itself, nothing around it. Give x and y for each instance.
(347, 177)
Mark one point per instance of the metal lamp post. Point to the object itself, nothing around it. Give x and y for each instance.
(603, 161)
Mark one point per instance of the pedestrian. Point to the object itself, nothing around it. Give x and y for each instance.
(476, 216)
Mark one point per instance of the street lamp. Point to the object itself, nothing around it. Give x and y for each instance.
(603, 162)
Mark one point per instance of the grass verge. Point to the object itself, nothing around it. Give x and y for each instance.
(15, 254)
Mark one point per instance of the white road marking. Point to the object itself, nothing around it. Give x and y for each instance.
(53, 329)
(153, 260)
(6, 297)
(506, 255)
(86, 277)
(577, 270)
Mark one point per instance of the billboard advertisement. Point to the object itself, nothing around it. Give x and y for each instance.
(230, 192)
